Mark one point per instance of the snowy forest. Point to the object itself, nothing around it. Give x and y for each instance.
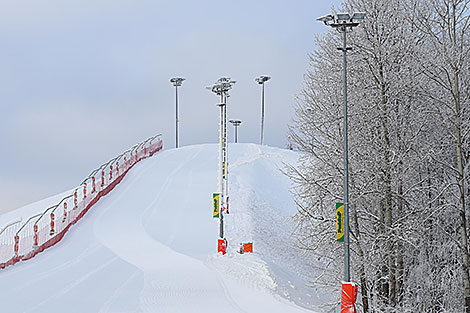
(409, 156)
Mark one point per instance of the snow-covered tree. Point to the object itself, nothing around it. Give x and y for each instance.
(402, 149)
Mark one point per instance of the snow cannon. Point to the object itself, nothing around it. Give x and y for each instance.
(348, 297)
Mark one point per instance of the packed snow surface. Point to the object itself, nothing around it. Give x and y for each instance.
(150, 245)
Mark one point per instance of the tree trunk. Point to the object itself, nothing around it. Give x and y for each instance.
(461, 186)
(362, 272)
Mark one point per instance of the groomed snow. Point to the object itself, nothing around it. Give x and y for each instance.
(150, 245)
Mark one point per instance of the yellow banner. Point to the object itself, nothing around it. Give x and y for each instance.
(216, 204)
(340, 222)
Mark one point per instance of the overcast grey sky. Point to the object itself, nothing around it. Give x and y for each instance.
(83, 80)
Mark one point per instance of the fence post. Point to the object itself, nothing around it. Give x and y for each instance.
(17, 245)
(117, 169)
(93, 184)
(65, 212)
(102, 178)
(84, 191)
(35, 228)
(75, 200)
(52, 224)
(110, 173)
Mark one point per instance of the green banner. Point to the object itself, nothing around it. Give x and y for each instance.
(340, 222)
(216, 204)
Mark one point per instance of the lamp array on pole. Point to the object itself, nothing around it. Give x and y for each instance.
(261, 80)
(221, 88)
(177, 82)
(235, 124)
(343, 23)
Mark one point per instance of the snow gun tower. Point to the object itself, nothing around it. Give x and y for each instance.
(220, 198)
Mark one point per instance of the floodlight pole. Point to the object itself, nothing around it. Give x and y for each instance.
(222, 163)
(235, 124)
(261, 80)
(177, 82)
(262, 112)
(221, 88)
(236, 133)
(347, 257)
(177, 121)
(342, 22)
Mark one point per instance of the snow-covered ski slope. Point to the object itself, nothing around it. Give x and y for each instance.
(150, 245)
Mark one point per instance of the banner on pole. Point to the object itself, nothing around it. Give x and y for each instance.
(216, 204)
(339, 222)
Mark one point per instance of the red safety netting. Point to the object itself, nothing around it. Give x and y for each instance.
(22, 241)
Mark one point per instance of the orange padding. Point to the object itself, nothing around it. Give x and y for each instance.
(222, 245)
(248, 247)
(348, 297)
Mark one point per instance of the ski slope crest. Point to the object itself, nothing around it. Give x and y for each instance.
(150, 245)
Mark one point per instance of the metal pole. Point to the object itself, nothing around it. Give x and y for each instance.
(176, 87)
(262, 113)
(225, 151)
(236, 134)
(221, 169)
(346, 168)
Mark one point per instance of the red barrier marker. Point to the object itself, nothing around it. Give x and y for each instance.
(17, 245)
(52, 224)
(102, 178)
(348, 297)
(93, 184)
(117, 169)
(65, 212)
(222, 246)
(75, 200)
(84, 190)
(248, 247)
(35, 228)
(110, 172)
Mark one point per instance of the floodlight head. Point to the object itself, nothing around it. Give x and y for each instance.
(343, 21)
(177, 81)
(262, 79)
(359, 15)
(223, 85)
(343, 17)
(325, 19)
(235, 122)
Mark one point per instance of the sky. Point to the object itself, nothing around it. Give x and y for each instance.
(83, 80)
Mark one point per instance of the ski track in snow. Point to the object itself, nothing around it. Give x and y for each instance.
(150, 245)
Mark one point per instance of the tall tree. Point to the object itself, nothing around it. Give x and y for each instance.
(446, 25)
